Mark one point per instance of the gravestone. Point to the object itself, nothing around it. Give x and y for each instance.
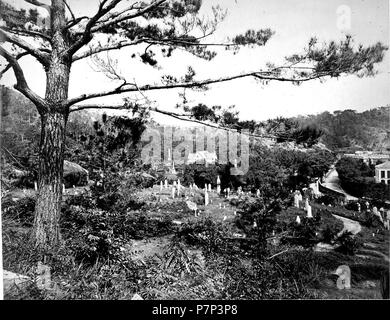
(43, 279)
(161, 185)
(166, 183)
(206, 198)
(258, 193)
(296, 200)
(35, 186)
(192, 206)
(298, 220)
(306, 203)
(309, 213)
(344, 280)
(173, 192)
(209, 187)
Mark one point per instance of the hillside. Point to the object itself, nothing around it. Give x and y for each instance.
(350, 129)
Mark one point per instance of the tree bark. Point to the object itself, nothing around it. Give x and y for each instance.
(46, 233)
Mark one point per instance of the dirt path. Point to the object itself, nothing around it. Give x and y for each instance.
(351, 226)
(332, 181)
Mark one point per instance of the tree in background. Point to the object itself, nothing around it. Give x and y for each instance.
(69, 39)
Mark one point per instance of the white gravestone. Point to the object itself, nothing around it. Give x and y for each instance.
(296, 201)
(309, 213)
(209, 187)
(173, 192)
(161, 185)
(192, 206)
(344, 280)
(298, 220)
(35, 186)
(206, 198)
(306, 203)
(166, 184)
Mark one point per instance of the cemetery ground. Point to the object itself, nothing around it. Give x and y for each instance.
(156, 247)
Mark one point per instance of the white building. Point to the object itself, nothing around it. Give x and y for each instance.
(382, 173)
(202, 157)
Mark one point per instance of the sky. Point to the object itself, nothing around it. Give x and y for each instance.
(294, 23)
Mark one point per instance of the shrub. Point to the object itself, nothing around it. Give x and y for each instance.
(22, 210)
(178, 261)
(304, 234)
(348, 244)
(329, 233)
(205, 233)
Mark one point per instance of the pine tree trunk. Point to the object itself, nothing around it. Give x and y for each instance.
(46, 233)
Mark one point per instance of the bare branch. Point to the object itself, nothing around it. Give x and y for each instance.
(86, 37)
(41, 56)
(70, 10)
(39, 4)
(25, 32)
(94, 50)
(20, 55)
(131, 87)
(21, 83)
(182, 117)
(128, 16)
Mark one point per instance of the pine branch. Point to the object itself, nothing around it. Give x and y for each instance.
(131, 87)
(21, 83)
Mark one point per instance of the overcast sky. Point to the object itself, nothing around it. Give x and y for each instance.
(294, 22)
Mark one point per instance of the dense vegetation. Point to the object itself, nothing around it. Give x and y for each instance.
(348, 129)
(357, 178)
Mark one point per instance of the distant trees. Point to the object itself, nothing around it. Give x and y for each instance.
(357, 178)
(351, 129)
(271, 170)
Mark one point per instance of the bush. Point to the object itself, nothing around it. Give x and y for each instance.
(348, 244)
(22, 210)
(137, 225)
(303, 234)
(329, 233)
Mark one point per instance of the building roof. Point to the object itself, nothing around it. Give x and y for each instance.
(385, 165)
(202, 156)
